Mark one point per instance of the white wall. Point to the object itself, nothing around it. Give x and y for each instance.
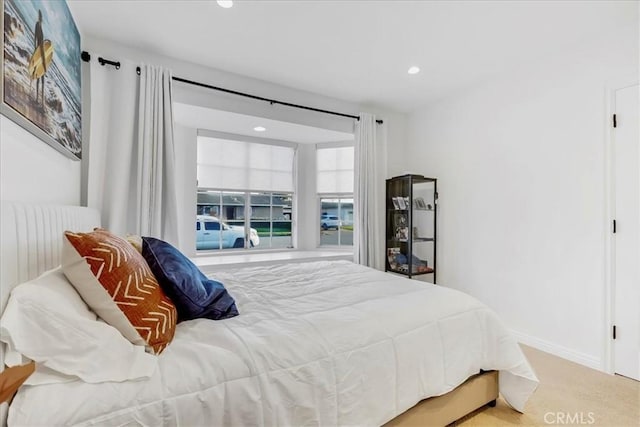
(394, 153)
(33, 171)
(521, 168)
(185, 140)
(395, 123)
(306, 212)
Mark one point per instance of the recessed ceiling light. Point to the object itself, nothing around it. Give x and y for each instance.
(225, 3)
(414, 70)
(259, 129)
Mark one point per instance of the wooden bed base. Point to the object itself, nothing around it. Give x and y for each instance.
(477, 391)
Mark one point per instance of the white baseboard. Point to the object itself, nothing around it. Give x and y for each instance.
(558, 350)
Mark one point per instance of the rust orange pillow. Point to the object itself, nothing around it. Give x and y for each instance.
(116, 282)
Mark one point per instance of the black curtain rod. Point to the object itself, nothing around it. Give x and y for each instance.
(270, 101)
(87, 57)
(103, 61)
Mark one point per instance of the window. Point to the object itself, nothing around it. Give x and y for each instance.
(245, 190)
(271, 217)
(335, 170)
(336, 222)
(212, 226)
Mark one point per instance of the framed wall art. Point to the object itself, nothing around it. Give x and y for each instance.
(41, 72)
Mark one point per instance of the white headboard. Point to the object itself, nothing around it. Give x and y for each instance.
(31, 239)
(31, 243)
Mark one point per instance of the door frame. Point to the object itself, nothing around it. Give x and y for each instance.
(607, 363)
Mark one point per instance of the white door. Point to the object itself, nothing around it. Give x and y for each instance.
(626, 239)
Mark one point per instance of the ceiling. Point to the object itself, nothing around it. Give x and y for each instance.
(241, 124)
(358, 51)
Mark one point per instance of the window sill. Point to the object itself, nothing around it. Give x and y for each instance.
(215, 262)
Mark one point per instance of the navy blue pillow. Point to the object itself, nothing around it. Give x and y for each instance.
(194, 295)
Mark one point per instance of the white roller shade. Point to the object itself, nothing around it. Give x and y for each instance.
(237, 165)
(335, 169)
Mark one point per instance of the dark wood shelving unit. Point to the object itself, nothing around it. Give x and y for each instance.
(411, 225)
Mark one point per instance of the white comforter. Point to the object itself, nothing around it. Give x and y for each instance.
(322, 343)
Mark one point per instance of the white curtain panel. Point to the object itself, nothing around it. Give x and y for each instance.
(130, 151)
(367, 200)
(109, 151)
(157, 206)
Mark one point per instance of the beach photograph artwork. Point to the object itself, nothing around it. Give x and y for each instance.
(41, 71)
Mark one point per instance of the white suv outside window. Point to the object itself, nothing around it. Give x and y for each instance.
(330, 221)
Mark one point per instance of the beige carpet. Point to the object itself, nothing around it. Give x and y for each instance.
(568, 394)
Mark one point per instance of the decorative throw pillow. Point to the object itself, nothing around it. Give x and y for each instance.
(135, 241)
(194, 295)
(116, 282)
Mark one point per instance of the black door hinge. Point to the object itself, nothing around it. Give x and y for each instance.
(614, 226)
(615, 121)
(614, 332)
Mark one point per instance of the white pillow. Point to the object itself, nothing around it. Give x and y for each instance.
(46, 320)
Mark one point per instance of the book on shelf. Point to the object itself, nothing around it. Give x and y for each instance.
(400, 203)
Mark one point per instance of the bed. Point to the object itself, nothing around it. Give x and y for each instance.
(320, 343)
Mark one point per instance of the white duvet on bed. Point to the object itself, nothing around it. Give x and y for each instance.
(322, 343)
